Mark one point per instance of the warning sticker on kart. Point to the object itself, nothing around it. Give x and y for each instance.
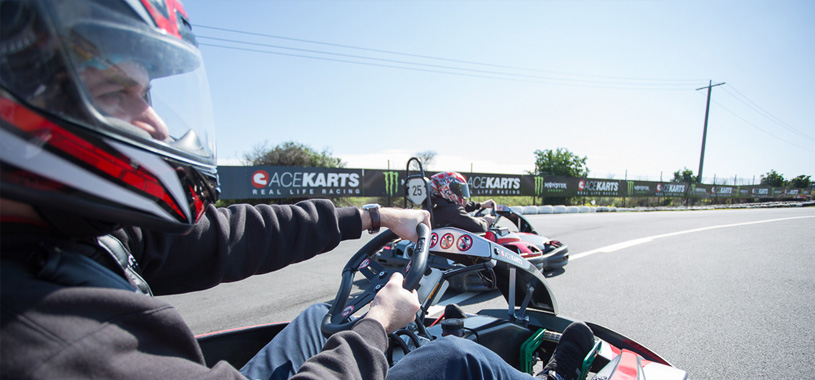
(447, 241)
(364, 264)
(348, 310)
(464, 243)
(457, 241)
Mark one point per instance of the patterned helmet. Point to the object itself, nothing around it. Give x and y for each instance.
(451, 186)
(105, 112)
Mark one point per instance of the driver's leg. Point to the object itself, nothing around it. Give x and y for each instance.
(453, 358)
(289, 349)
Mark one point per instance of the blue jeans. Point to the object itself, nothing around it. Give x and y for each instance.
(445, 358)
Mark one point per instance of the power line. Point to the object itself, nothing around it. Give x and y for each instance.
(678, 82)
(761, 111)
(580, 81)
(539, 79)
(761, 129)
(362, 63)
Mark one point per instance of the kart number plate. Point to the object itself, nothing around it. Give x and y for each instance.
(417, 190)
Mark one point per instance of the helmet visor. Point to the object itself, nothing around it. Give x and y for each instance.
(137, 84)
(460, 189)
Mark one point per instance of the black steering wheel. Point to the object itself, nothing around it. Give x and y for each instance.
(339, 315)
(480, 213)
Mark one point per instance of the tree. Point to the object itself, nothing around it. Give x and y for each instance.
(291, 154)
(286, 154)
(685, 175)
(560, 162)
(773, 178)
(426, 158)
(801, 181)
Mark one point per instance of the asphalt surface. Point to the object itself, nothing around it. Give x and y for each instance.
(721, 293)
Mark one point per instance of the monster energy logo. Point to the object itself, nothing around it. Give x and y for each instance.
(539, 185)
(391, 183)
(630, 187)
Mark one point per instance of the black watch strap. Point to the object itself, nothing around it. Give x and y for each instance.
(373, 211)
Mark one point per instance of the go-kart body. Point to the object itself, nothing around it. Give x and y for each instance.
(545, 254)
(554, 254)
(398, 253)
(526, 332)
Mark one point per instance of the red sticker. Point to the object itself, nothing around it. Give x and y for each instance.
(364, 264)
(447, 241)
(465, 242)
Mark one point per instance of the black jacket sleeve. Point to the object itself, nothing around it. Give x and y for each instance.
(357, 354)
(230, 244)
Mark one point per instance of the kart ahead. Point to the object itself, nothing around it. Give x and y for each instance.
(516, 234)
(520, 237)
(524, 334)
(523, 239)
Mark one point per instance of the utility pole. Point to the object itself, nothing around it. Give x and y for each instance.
(709, 87)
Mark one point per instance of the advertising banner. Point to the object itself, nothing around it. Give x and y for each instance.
(642, 189)
(700, 191)
(384, 183)
(247, 182)
(600, 187)
(672, 189)
(723, 191)
(483, 184)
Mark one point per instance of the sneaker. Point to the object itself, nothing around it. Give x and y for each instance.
(567, 360)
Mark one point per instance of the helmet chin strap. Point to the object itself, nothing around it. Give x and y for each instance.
(74, 226)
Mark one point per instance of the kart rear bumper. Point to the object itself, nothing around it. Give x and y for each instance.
(557, 258)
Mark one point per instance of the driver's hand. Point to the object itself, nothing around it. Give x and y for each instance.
(394, 307)
(489, 218)
(489, 203)
(403, 222)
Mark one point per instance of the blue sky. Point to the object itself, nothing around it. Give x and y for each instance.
(486, 83)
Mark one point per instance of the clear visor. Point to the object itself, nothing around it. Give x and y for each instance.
(138, 84)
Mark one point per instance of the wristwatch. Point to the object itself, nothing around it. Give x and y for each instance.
(373, 209)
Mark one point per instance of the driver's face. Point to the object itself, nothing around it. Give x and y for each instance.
(121, 92)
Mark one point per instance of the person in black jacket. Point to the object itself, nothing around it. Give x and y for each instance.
(449, 195)
(108, 180)
(107, 184)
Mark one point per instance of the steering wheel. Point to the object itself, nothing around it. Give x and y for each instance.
(480, 213)
(339, 315)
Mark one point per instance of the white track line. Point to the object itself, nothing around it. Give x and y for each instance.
(634, 242)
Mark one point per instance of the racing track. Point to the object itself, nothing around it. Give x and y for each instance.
(721, 294)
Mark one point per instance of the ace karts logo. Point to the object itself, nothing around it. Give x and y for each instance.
(305, 183)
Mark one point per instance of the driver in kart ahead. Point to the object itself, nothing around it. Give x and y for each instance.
(449, 196)
(108, 179)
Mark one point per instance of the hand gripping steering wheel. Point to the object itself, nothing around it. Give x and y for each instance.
(339, 315)
(480, 213)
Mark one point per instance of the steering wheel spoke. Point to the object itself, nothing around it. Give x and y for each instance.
(344, 306)
(372, 269)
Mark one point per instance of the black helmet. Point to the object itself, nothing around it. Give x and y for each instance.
(105, 112)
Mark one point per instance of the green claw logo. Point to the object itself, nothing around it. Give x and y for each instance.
(539, 185)
(391, 183)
